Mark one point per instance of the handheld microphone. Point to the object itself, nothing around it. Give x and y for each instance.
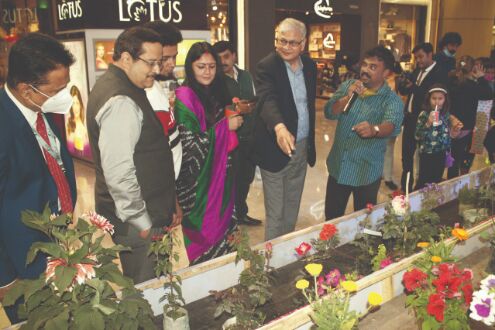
(351, 101)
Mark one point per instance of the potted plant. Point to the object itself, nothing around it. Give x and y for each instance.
(243, 301)
(80, 286)
(175, 316)
(438, 291)
(331, 308)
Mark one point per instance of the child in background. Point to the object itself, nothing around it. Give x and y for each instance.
(433, 133)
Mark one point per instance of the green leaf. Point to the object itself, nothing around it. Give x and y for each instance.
(60, 221)
(87, 318)
(104, 309)
(82, 225)
(52, 249)
(34, 220)
(63, 277)
(59, 322)
(79, 254)
(14, 293)
(113, 274)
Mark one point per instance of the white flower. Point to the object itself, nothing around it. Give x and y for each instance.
(483, 307)
(100, 222)
(399, 205)
(433, 143)
(488, 283)
(435, 133)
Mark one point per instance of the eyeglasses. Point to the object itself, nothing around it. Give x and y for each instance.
(152, 64)
(291, 43)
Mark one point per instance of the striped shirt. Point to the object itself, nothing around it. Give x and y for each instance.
(355, 161)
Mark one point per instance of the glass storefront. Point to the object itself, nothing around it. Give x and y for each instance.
(218, 20)
(401, 27)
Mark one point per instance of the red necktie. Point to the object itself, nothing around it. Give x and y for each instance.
(58, 175)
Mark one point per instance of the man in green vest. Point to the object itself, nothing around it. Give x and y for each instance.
(240, 84)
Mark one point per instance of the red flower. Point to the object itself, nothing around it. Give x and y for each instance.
(269, 247)
(235, 100)
(303, 249)
(436, 306)
(468, 293)
(447, 284)
(328, 232)
(369, 207)
(397, 193)
(413, 279)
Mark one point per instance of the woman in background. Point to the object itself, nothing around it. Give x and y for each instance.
(205, 183)
(466, 89)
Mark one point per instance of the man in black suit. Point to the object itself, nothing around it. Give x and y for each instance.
(284, 133)
(427, 73)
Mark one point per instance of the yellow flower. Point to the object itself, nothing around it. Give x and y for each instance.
(436, 259)
(349, 286)
(460, 233)
(314, 269)
(302, 284)
(423, 245)
(375, 299)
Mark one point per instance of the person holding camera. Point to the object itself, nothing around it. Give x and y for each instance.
(416, 86)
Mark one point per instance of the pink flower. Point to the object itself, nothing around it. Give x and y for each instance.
(51, 265)
(85, 272)
(303, 249)
(385, 262)
(269, 247)
(333, 278)
(101, 222)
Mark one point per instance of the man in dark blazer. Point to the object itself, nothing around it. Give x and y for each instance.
(284, 133)
(35, 167)
(426, 74)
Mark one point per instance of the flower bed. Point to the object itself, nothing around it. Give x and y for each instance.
(198, 280)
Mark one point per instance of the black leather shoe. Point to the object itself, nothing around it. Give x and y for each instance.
(247, 220)
(391, 185)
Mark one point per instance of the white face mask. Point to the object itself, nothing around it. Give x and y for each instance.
(58, 103)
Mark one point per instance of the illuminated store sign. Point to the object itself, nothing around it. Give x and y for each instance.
(19, 15)
(69, 9)
(137, 10)
(329, 42)
(323, 9)
(118, 14)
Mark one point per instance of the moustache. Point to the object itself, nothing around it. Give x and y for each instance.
(365, 75)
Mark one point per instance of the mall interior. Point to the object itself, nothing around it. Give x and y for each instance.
(343, 29)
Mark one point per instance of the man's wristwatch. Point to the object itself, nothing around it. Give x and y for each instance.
(377, 129)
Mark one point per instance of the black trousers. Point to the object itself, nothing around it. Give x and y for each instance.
(463, 159)
(244, 176)
(431, 167)
(408, 150)
(338, 195)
